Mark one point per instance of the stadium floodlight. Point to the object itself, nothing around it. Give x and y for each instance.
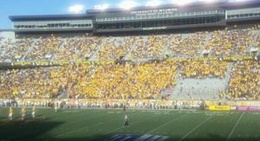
(209, 1)
(127, 5)
(153, 3)
(76, 9)
(101, 7)
(241, 0)
(182, 2)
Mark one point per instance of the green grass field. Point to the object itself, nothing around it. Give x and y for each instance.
(101, 124)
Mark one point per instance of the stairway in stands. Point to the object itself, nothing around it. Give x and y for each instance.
(94, 55)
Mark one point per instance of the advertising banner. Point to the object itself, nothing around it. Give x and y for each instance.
(219, 108)
(248, 108)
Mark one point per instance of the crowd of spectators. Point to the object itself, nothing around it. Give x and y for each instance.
(122, 81)
(90, 80)
(43, 48)
(115, 48)
(148, 46)
(203, 69)
(235, 41)
(77, 48)
(13, 50)
(186, 45)
(232, 42)
(105, 79)
(245, 81)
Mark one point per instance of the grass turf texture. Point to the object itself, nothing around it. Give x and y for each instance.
(100, 124)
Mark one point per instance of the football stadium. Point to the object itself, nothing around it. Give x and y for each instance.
(174, 72)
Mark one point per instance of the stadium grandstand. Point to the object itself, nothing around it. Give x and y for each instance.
(201, 55)
(198, 51)
(195, 52)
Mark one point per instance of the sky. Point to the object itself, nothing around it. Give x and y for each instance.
(50, 7)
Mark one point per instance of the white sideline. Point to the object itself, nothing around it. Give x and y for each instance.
(234, 127)
(195, 128)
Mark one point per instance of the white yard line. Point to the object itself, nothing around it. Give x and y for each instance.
(169, 122)
(234, 127)
(83, 128)
(111, 131)
(116, 129)
(79, 129)
(195, 128)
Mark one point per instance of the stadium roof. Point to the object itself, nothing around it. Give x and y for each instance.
(90, 13)
(48, 17)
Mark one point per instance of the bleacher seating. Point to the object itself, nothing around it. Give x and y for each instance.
(103, 78)
(90, 80)
(113, 48)
(245, 80)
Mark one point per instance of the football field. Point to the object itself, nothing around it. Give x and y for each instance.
(145, 125)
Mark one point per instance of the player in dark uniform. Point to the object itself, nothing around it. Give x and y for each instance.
(124, 108)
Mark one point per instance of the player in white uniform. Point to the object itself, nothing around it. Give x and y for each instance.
(10, 115)
(23, 113)
(56, 107)
(33, 112)
(126, 124)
